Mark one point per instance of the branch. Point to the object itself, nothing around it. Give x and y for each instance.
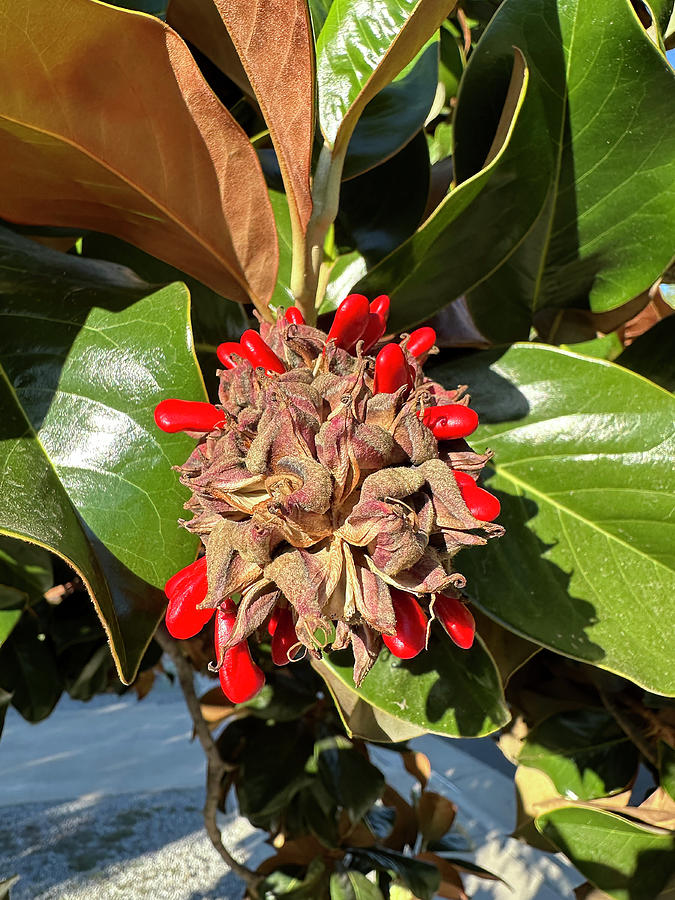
(624, 722)
(216, 768)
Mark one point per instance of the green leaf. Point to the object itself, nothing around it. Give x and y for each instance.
(8, 619)
(346, 270)
(652, 354)
(282, 296)
(29, 672)
(584, 753)
(381, 209)
(353, 886)
(583, 467)
(474, 228)
(86, 352)
(444, 690)
(294, 887)
(360, 50)
(395, 114)
(610, 164)
(354, 782)
(26, 568)
(422, 878)
(626, 860)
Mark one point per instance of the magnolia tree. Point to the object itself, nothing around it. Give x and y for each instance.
(379, 230)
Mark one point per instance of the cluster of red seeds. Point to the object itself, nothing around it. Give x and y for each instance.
(356, 322)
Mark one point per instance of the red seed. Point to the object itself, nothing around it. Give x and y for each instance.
(391, 370)
(374, 330)
(350, 321)
(240, 678)
(274, 620)
(294, 316)
(421, 341)
(380, 306)
(225, 352)
(457, 620)
(483, 505)
(463, 480)
(284, 638)
(258, 353)
(187, 415)
(453, 420)
(411, 626)
(186, 590)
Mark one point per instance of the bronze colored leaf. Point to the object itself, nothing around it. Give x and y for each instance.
(435, 814)
(274, 42)
(107, 123)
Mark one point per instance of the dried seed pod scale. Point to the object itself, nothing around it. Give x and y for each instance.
(324, 496)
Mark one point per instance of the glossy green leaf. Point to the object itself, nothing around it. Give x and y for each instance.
(444, 690)
(624, 859)
(606, 231)
(474, 228)
(353, 886)
(361, 49)
(583, 467)
(344, 272)
(653, 354)
(354, 783)
(422, 878)
(584, 752)
(282, 296)
(294, 887)
(381, 209)
(395, 114)
(86, 352)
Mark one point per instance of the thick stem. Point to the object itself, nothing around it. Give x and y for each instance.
(216, 768)
(308, 248)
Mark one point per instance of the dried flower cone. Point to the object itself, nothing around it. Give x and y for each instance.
(318, 493)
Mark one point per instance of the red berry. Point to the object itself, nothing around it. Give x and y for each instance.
(411, 626)
(391, 370)
(463, 479)
(483, 505)
(284, 638)
(186, 590)
(294, 316)
(374, 330)
(258, 353)
(226, 351)
(457, 620)
(187, 415)
(350, 321)
(380, 306)
(453, 420)
(240, 678)
(421, 341)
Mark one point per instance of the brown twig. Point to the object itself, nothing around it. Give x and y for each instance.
(215, 768)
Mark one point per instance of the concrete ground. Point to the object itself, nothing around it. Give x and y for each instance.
(102, 802)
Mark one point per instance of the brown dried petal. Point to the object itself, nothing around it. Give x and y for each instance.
(256, 604)
(366, 644)
(374, 601)
(450, 509)
(395, 483)
(226, 569)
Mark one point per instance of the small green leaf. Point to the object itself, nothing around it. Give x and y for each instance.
(93, 470)
(667, 768)
(25, 568)
(353, 886)
(444, 690)
(422, 878)
(28, 670)
(621, 858)
(583, 468)
(395, 114)
(294, 887)
(8, 619)
(354, 782)
(584, 753)
(360, 50)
